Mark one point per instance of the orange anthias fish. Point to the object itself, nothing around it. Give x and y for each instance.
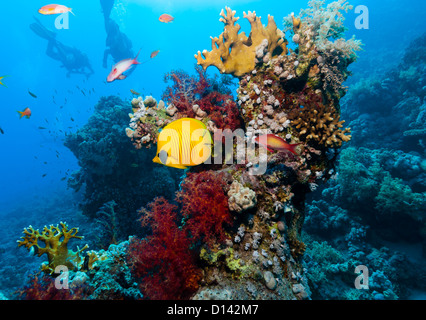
(54, 9)
(273, 142)
(25, 113)
(166, 18)
(122, 66)
(154, 53)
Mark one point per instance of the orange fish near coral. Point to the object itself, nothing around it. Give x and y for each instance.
(166, 18)
(273, 142)
(25, 113)
(54, 9)
(153, 54)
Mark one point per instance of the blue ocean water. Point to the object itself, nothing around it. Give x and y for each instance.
(35, 165)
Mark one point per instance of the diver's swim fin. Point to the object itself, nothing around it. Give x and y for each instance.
(42, 31)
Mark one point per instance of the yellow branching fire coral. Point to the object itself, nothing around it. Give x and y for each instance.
(321, 126)
(235, 53)
(55, 239)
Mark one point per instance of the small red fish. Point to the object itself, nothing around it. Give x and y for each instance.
(25, 113)
(273, 142)
(154, 53)
(166, 18)
(54, 9)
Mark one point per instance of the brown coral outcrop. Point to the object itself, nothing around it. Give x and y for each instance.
(321, 126)
(235, 53)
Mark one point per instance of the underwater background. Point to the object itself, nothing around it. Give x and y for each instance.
(73, 162)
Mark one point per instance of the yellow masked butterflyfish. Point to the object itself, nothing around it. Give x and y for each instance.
(183, 143)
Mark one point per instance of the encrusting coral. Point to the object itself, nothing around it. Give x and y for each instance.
(55, 239)
(240, 198)
(152, 115)
(235, 53)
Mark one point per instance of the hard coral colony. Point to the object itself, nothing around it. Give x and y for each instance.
(55, 241)
(229, 233)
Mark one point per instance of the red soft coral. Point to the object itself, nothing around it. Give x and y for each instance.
(42, 287)
(205, 206)
(163, 260)
(222, 109)
(184, 90)
(187, 91)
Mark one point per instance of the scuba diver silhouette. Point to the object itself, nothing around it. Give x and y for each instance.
(107, 6)
(119, 46)
(72, 59)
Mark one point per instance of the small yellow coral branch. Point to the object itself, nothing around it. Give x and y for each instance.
(55, 239)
